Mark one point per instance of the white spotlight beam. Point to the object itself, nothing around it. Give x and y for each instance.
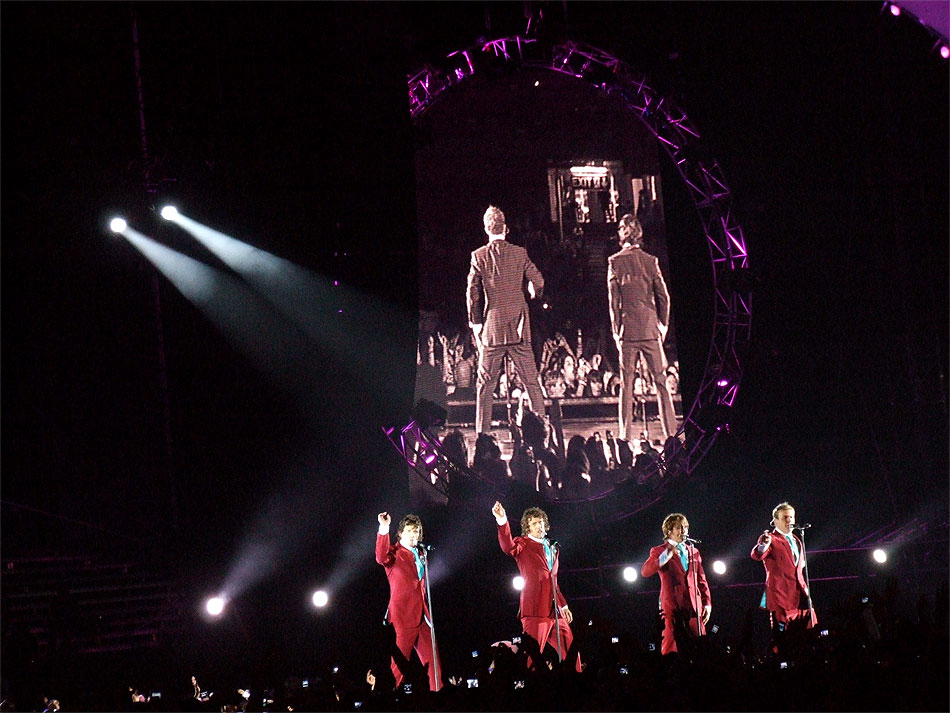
(312, 302)
(264, 336)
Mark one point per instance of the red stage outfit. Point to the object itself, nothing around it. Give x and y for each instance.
(408, 609)
(786, 593)
(684, 593)
(537, 611)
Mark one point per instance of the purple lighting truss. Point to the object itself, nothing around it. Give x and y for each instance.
(708, 414)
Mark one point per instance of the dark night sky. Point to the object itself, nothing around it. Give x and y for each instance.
(285, 125)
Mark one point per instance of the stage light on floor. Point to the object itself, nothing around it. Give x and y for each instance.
(118, 225)
(630, 574)
(719, 567)
(518, 583)
(169, 212)
(215, 606)
(880, 556)
(320, 599)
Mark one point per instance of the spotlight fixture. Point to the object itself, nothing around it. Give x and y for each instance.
(215, 606)
(117, 225)
(518, 583)
(320, 598)
(630, 574)
(719, 567)
(169, 212)
(880, 556)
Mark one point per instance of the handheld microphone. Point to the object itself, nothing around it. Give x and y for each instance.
(803, 526)
(693, 540)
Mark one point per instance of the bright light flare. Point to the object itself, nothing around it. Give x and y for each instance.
(630, 574)
(518, 583)
(944, 51)
(118, 225)
(169, 212)
(880, 556)
(215, 606)
(320, 599)
(719, 567)
(895, 11)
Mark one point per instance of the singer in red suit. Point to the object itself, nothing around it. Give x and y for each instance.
(786, 590)
(685, 604)
(538, 560)
(408, 606)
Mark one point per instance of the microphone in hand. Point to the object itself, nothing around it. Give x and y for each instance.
(692, 540)
(803, 526)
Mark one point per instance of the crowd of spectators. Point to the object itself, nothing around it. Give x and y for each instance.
(875, 659)
(567, 371)
(539, 464)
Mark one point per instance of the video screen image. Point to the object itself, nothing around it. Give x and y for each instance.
(546, 332)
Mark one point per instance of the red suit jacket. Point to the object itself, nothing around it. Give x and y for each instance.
(680, 590)
(406, 591)
(784, 580)
(537, 597)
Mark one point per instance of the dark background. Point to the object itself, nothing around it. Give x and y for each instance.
(286, 125)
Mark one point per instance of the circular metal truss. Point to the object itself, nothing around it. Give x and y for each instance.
(708, 415)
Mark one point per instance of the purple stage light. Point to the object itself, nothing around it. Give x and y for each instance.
(945, 51)
(723, 383)
(895, 11)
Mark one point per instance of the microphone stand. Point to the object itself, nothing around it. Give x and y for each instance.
(435, 653)
(557, 611)
(697, 600)
(811, 602)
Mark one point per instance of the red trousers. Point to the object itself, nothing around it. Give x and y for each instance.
(420, 639)
(542, 630)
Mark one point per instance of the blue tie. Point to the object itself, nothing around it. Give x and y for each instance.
(794, 546)
(419, 567)
(683, 558)
(549, 553)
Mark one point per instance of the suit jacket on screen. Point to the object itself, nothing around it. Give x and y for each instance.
(638, 295)
(496, 292)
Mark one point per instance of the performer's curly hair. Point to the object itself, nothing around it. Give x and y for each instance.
(671, 521)
(530, 513)
(411, 521)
